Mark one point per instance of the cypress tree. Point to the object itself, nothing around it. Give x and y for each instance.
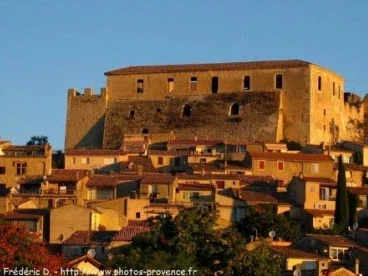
(342, 206)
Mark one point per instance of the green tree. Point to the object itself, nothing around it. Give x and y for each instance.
(342, 207)
(259, 262)
(353, 200)
(262, 219)
(38, 141)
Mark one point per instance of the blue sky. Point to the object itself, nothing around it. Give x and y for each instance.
(49, 46)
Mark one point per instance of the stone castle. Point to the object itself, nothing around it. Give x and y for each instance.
(239, 102)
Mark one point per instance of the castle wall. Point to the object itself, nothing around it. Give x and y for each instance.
(209, 118)
(85, 119)
(327, 106)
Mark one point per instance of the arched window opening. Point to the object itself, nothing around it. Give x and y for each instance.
(145, 131)
(187, 111)
(234, 109)
(158, 112)
(132, 114)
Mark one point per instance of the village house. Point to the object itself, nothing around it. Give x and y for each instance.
(18, 163)
(285, 166)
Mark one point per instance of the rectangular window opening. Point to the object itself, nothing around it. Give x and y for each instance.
(261, 164)
(140, 86)
(246, 84)
(193, 84)
(170, 83)
(319, 83)
(278, 81)
(214, 85)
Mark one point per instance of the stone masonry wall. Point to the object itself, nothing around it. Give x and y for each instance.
(209, 118)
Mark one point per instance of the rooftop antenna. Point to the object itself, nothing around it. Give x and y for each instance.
(91, 253)
(272, 234)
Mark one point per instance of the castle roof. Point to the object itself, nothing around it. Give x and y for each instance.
(251, 65)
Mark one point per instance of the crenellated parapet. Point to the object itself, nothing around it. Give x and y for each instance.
(88, 93)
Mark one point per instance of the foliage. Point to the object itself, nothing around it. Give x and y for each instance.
(353, 201)
(263, 219)
(342, 207)
(292, 145)
(38, 141)
(190, 240)
(18, 249)
(259, 262)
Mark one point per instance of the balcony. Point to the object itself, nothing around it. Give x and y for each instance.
(49, 193)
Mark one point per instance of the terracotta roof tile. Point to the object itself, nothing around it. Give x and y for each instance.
(290, 252)
(110, 180)
(332, 240)
(256, 197)
(66, 175)
(196, 187)
(252, 65)
(129, 232)
(168, 153)
(193, 143)
(90, 238)
(291, 157)
(320, 212)
(134, 162)
(86, 259)
(157, 178)
(93, 152)
(138, 223)
(355, 167)
(21, 216)
(24, 148)
(358, 190)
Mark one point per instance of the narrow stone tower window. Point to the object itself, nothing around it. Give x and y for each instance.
(234, 109)
(333, 89)
(278, 81)
(132, 114)
(214, 85)
(193, 84)
(170, 84)
(187, 111)
(140, 86)
(319, 83)
(246, 83)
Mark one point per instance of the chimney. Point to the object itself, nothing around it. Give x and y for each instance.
(140, 170)
(357, 266)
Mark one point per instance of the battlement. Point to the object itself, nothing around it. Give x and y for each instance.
(88, 93)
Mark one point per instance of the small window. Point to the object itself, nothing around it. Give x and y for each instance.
(324, 127)
(187, 111)
(170, 84)
(324, 112)
(21, 168)
(314, 168)
(160, 160)
(137, 215)
(234, 109)
(145, 131)
(131, 114)
(202, 160)
(278, 81)
(214, 85)
(280, 165)
(193, 84)
(246, 83)
(2, 170)
(177, 162)
(85, 160)
(261, 164)
(333, 89)
(319, 83)
(220, 184)
(158, 112)
(339, 92)
(140, 86)
(74, 160)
